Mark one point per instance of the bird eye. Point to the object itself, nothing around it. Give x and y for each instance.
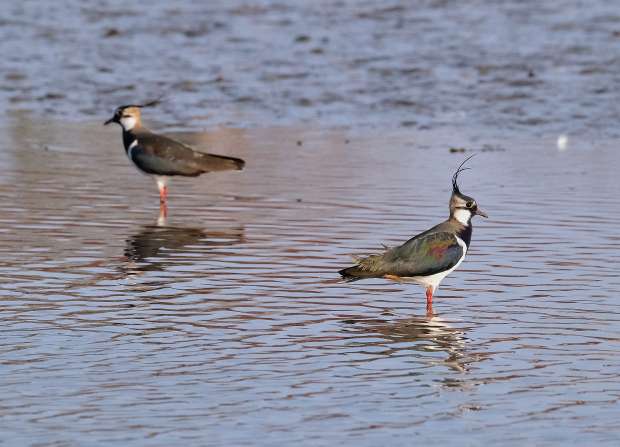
(469, 204)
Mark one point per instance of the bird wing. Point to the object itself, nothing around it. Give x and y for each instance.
(160, 155)
(427, 255)
(423, 255)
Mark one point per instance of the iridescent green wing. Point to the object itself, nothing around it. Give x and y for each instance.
(424, 255)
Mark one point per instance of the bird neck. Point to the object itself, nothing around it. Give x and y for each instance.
(128, 138)
(465, 234)
(461, 219)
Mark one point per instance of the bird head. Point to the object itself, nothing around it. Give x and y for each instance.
(129, 116)
(463, 207)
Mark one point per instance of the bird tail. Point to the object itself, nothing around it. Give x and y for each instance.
(369, 267)
(222, 163)
(354, 273)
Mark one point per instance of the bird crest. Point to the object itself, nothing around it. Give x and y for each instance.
(152, 103)
(455, 186)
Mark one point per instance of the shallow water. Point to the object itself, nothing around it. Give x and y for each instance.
(227, 325)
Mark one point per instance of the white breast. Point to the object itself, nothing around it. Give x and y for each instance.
(434, 280)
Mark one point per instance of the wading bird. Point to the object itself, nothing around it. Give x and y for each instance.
(430, 256)
(163, 157)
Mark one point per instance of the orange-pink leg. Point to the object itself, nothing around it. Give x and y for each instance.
(429, 296)
(163, 193)
(429, 300)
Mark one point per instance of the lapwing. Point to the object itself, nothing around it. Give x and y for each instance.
(163, 157)
(430, 256)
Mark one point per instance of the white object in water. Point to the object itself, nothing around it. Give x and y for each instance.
(562, 142)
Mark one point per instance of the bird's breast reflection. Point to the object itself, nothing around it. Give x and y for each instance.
(416, 334)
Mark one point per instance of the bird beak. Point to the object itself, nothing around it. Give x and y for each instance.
(111, 120)
(479, 212)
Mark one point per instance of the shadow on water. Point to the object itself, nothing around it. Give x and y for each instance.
(155, 247)
(420, 335)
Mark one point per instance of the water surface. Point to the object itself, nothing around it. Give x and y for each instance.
(226, 324)
(530, 67)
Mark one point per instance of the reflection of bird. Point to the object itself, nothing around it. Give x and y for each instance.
(402, 335)
(428, 257)
(162, 157)
(164, 242)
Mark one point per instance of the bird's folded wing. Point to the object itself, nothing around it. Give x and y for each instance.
(161, 165)
(169, 157)
(421, 256)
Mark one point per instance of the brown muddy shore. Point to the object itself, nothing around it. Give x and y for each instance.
(226, 323)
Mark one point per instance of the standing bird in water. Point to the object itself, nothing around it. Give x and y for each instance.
(163, 157)
(430, 256)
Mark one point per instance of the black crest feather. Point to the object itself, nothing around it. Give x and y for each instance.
(455, 186)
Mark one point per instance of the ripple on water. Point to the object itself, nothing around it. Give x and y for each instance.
(227, 322)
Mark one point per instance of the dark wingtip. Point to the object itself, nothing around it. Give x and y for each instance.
(455, 186)
(349, 274)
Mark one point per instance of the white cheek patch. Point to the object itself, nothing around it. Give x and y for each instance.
(128, 123)
(462, 216)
